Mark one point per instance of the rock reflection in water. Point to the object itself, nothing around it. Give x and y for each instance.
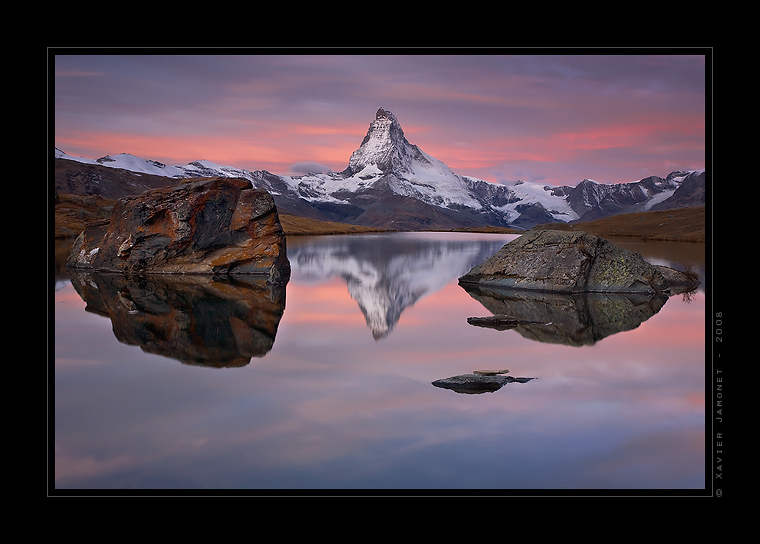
(574, 320)
(476, 384)
(193, 319)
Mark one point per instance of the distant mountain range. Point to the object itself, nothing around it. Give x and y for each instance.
(391, 183)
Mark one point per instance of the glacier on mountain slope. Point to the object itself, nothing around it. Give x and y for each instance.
(660, 197)
(532, 193)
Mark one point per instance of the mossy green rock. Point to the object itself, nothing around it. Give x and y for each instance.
(568, 262)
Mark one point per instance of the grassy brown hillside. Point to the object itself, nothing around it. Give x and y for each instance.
(294, 225)
(682, 224)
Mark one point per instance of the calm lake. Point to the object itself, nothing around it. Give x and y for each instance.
(326, 384)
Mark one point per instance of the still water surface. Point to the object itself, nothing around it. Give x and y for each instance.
(327, 383)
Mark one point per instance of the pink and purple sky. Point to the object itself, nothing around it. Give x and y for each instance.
(552, 119)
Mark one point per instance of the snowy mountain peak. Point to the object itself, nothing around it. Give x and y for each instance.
(385, 147)
(382, 112)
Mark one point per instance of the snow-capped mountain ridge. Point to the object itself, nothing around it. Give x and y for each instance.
(389, 181)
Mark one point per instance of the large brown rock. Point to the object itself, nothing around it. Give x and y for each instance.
(210, 226)
(568, 262)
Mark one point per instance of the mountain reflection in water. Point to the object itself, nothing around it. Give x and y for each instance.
(194, 319)
(388, 273)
